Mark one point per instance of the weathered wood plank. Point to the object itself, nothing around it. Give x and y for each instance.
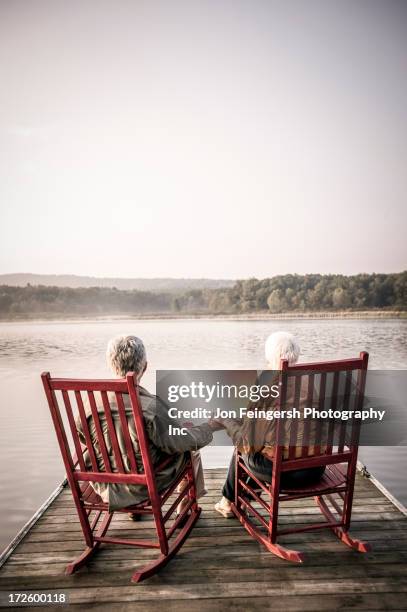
(187, 591)
(198, 574)
(239, 557)
(292, 603)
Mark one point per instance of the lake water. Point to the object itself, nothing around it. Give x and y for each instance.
(30, 461)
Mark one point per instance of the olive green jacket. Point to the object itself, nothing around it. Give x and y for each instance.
(162, 444)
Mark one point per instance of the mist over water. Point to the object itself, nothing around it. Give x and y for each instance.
(30, 460)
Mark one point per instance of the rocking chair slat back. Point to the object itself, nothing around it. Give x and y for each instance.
(335, 385)
(103, 402)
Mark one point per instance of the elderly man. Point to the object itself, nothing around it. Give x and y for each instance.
(255, 437)
(128, 354)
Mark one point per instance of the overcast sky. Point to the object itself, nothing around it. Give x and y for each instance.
(203, 138)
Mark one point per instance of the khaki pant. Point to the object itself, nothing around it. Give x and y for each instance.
(198, 475)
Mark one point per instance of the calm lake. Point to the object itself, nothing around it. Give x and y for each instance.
(30, 461)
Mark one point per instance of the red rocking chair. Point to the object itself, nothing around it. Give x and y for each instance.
(93, 513)
(333, 494)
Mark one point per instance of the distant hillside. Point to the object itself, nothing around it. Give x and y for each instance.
(142, 284)
(290, 293)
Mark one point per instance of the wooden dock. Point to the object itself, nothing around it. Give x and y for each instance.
(220, 567)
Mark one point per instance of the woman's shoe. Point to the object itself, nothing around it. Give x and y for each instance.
(224, 507)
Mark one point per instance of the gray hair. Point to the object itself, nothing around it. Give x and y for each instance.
(281, 345)
(126, 354)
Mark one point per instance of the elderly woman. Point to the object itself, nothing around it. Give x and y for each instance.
(128, 354)
(255, 437)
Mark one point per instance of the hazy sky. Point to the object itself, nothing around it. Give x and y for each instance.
(203, 138)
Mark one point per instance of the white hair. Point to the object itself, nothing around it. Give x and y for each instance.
(126, 354)
(281, 345)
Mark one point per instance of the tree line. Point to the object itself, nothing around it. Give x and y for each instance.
(286, 293)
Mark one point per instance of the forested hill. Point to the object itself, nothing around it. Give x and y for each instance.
(141, 284)
(289, 293)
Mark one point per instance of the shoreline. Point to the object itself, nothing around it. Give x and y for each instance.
(255, 316)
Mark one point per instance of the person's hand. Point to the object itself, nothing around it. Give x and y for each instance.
(188, 424)
(217, 424)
